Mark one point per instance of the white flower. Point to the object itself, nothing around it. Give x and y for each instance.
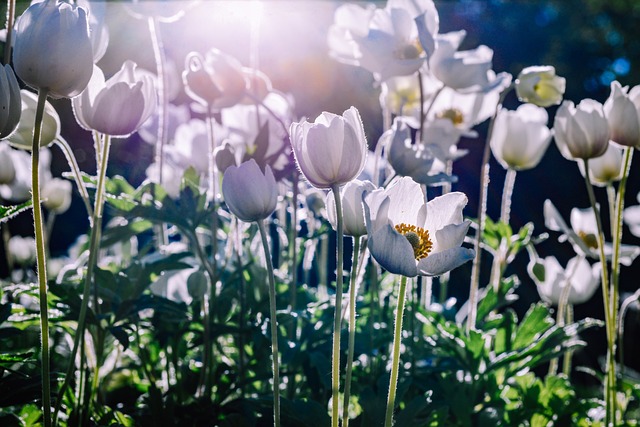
(118, 106)
(10, 103)
(622, 109)
(7, 170)
(539, 85)
(583, 278)
(52, 49)
(23, 135)
(583, 234)
(56, 195)
(23, 250)
(331, 150)
(582, 131)
(631, 216)
(468, 70)
(394, 41)
(606, 169)
(410, 237)
(521, 137)
(352, 208)
(250, 194)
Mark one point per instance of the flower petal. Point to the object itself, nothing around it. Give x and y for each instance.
(439, 263)
(393, 251)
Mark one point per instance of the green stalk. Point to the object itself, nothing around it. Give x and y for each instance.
(507, 193)
(566, 362)
(482, 211)
(395, 358)
(11, 14)
(274, 324)
(353, 292)
(41, 258)
(75, 169)
(610, 387)
(94, 249)
(337, 320)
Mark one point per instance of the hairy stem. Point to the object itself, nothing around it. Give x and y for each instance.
(337, 321)
(395, 358)
(274, 324)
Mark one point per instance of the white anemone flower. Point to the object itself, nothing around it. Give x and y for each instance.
(582, 277)
(583, 234)
(410, 237)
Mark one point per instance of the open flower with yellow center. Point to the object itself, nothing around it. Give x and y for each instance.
(583, 234)
(411, 237)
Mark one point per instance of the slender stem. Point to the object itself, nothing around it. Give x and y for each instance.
(623, 312)
(422, 112)
(563, 304)
(159, 56)
(611, 202)
(507, 192)
(274, 324)
(337, 321)
(11, 14)
(395, 358)
(482, 211)
(353, 292)
(609, 320)
(94, 249)
(6, 236)
(566, 362)
(41, 258)
(75, 169)
(293, 272)
(617, 235)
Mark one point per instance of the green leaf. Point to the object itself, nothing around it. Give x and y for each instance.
(8, 212)
(533, 325)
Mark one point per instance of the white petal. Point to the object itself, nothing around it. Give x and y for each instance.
(441, 262)
(393, 251)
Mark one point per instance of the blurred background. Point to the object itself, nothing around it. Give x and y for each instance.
(590, 42)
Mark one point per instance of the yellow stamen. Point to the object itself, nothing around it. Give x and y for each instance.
(418, 238)
(589, 238)
(453, 114)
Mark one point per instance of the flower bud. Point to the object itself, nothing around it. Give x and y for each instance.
(23, 250)
(250, 194)
(56, 195)
(539, 85)
(10, 104)
(332, 150)
(53, 51)
(23, 136)
(606, 169)
(7, 169)
(521, 137)
(407, 159)
(622, 109)
(225, 157)
(582, 131)
(118, 106)
(216, 81)
(197, 285)
(352, 207)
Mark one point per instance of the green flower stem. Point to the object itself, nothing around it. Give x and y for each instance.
(353, 292)
(41, 258)
(274, 324)
(293, 271)
(11, 15)
(210, 305)
(482, 211)
(623, 312)
(94, 249)
(563, 306)
(337, 320)
(395, 358)
(610, 321)
(507, 192)
(159, 56)
(617, 235)
(75, 170)
(566, 362)
(611, 202)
